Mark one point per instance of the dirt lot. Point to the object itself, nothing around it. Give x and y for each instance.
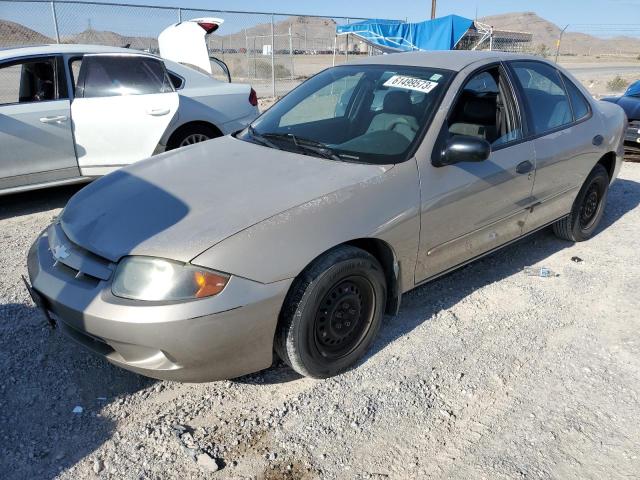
(486, 373)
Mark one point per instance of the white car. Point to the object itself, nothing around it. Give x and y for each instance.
(69, 113)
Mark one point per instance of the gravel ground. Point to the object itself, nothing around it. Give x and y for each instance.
(485, 373)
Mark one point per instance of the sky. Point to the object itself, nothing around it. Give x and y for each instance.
(599, 17)
(558, 11)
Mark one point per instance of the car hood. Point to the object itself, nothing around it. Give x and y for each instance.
(181, 203)
(630, 105)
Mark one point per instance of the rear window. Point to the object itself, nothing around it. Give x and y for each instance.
(107, 76)
(578, 102)
(546, 98)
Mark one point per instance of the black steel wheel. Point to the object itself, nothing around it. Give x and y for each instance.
(332, 313)
(344, 317)
(588, 208)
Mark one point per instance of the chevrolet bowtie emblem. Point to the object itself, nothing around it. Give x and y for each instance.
(60, 252)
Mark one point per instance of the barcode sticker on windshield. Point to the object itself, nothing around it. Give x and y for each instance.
(411, 83)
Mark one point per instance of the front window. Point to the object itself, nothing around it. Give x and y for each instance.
(370, 114)
(29, 81)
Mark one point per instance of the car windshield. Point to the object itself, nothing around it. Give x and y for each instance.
(357, 113)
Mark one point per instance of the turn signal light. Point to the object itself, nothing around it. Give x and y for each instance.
(209, 283)
(208, 27)
(253, 98)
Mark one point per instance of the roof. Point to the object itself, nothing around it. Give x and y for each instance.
(442, 33)
(61, 48)
(455, 60)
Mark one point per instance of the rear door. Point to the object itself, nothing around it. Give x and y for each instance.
(564, 134)
(35, 128)
(122, 107)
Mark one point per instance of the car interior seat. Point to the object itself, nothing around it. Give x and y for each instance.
(44, 86)
(397, 115)
(476, 116)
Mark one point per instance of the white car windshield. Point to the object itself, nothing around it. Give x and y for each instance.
(361, 113)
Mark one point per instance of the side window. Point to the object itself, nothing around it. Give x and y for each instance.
(331, 101)
(578, 102)
(176, 80)
(117, 75)
(486, 109)
(545, 95)
(29, 81)
(74, 67)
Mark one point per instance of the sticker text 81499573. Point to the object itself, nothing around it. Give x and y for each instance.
(411, 83)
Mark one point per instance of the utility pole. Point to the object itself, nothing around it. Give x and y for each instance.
(559, 41)
(433, 9)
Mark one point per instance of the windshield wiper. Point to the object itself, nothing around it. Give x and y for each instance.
(261, 139)
(305, 144)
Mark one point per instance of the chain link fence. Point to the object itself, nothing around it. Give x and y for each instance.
(273, 52)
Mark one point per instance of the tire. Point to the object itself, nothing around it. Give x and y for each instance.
(192, 134)
(332, 313)
(587, 210)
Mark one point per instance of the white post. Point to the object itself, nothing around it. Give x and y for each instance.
(335, 47)
(291, 51)
(55, 21)
(273, 58)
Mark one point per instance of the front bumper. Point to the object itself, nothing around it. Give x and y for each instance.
(203, 340)
(632, 136)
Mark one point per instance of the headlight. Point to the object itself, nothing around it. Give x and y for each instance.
(155, 279)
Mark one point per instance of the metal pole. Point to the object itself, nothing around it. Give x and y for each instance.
(491, 39)
(433, 9)
(559, 41)
(55, 21)
(179, 15)
(291, 51)
(273, 58)
(346, 58)
(335, 47)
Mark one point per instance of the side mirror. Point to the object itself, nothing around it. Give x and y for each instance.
(463, 148)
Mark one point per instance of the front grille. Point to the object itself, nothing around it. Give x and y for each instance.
(74, 261)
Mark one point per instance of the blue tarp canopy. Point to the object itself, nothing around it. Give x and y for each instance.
(395, 36)
(633, 90)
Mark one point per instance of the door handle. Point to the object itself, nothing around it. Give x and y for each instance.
(158, 112)
(56, 119)
(524, 167)
(597, 140)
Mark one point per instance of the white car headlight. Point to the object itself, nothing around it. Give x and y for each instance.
(155, 279)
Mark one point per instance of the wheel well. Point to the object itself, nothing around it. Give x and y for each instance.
(609, 163)
(383, 252)
(215, 131)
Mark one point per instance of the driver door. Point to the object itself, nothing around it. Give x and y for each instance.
(471, 208)
(35, 128)
(122, 107)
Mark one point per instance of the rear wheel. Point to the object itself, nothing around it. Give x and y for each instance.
(332, 313)
(192, 134)
(587, 210)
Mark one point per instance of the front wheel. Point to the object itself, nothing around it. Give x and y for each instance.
(587, 209)
(332, 313)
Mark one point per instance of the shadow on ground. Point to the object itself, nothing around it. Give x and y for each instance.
(422, 303)
(36, 201)
(44, 377)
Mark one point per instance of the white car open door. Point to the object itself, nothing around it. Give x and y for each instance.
(123, 104)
